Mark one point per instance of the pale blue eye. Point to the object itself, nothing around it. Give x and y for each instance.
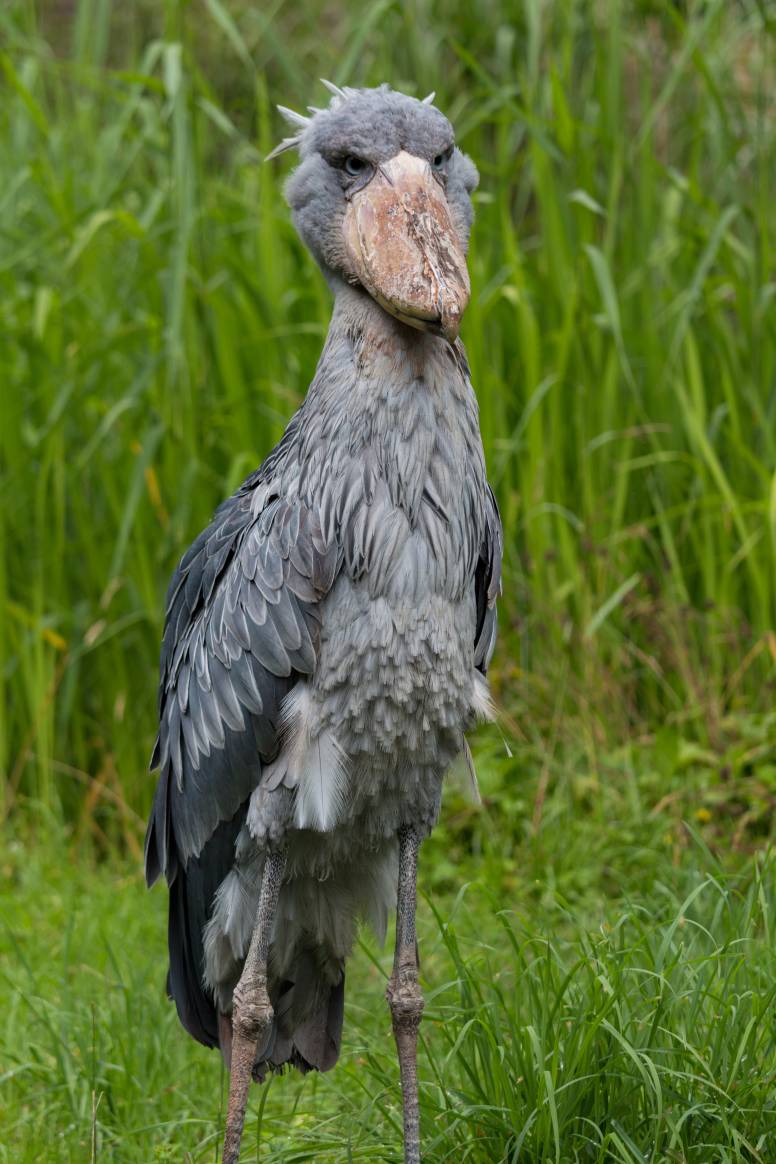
(353, 165)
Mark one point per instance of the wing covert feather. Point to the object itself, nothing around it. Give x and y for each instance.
(240, 628)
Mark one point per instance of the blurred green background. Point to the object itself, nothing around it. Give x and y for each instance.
(159, 323)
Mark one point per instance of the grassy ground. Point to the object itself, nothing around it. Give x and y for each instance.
(625, 1015)
(604, 991)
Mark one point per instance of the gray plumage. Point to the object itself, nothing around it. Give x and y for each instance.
(328, 634)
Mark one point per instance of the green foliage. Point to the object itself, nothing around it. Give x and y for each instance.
(565, 1027)
(160, 323)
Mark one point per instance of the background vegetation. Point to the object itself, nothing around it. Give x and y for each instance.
(605, 989)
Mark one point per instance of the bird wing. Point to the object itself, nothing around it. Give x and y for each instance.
(242, 624)
(487, 584)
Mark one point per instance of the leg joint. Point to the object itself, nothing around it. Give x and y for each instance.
(405, 999)
(252, 1011)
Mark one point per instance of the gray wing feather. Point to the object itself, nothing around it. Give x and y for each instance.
(241, 627)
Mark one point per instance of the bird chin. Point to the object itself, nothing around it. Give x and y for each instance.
(432, 324)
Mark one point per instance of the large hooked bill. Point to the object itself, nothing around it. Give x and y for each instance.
(404, 248)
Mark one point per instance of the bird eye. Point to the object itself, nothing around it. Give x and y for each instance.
(353, 165)
(439, 161)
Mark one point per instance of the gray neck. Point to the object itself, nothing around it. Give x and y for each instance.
(356, 313)
(388, 402)
(371, 361)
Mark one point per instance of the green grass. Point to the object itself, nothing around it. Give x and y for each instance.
(627, 1018)
(603, 991)
(161, 322)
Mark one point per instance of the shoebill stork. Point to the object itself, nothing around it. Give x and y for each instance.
(327, 636)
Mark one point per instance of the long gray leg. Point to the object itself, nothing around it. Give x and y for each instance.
(404, 994)
(251, 1011)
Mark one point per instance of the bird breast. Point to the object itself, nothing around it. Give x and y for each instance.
(391, 458)
(395, 681)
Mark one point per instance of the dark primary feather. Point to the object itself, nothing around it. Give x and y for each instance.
(487, 584)
(191, 897)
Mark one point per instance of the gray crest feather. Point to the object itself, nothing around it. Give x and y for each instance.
(288, 143)
(292, 117)
(333, 89)
(299, 122)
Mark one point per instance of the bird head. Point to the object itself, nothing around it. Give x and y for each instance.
(382, 198)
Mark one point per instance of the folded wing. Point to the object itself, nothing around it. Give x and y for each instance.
(487, 584)
(242, 625)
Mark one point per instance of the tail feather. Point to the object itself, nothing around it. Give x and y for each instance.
(196, 1010)
(306, 1028)
(317, 1039)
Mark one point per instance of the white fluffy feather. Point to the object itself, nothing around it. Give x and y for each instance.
(317, 766)
(473, 784)
(482, 701)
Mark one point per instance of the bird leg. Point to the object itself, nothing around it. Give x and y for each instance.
(404, 994)
(251, 1008)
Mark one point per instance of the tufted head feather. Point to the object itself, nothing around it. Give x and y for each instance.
(300, 123)
(339, 96)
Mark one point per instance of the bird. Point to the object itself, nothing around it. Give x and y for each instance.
(327, 636)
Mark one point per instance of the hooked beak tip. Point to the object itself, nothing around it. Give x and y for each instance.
(451, 322)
